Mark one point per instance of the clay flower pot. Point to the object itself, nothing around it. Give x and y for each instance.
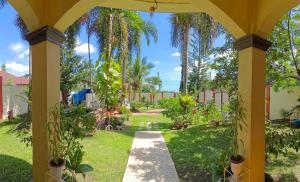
(237, 164)
(56, 170)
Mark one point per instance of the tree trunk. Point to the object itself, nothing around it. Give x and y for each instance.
(110, 35)
(89, 51)
(65, 95)
(123, 55)
(185, 58)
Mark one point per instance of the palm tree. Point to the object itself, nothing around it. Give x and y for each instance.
(137, 73)
(89, 20)
(122, 36)
(182, 23)
(2, 3)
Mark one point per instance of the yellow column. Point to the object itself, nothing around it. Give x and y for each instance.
(251, 83)
(45, 50)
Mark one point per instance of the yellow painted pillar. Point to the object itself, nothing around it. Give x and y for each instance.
(45, 50)
(251, 84)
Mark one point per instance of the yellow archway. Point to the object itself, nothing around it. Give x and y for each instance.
(271, 14)
(77, 10)
(27, 13)
(243, 18)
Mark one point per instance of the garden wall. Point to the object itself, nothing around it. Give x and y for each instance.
(283, 99)
(275, 101)
(12, 100)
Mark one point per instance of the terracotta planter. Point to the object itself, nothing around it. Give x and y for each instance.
(236, 165)
(56, 171)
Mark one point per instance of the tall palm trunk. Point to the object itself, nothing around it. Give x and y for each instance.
(123, 55)
(185, 58)
(109, 47)
(89, 50)
(110, 36)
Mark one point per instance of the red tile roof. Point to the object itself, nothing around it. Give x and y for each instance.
(8, 79)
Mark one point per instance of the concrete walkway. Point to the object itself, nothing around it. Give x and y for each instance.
(149, 159)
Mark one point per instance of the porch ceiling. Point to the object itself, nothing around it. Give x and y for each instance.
(239, 17)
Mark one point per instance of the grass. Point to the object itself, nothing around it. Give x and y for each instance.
(107, 152)
(15, 157)
(197, 148)
(193, 151)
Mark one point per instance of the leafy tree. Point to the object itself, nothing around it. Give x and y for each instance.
(108, 83)
(283, 58)
(204, 33)
(225, 64)
(198, 77)
(72, 67)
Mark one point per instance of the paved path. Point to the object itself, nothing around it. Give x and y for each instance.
(149, 159)
(153, 112)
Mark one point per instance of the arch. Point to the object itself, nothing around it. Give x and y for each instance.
(26, 12)
(271, 13)
(83, 6)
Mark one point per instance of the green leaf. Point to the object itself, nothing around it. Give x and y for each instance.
(84, 168)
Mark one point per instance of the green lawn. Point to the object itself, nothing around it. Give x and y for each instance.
(15, 157)
(107, 152)
(193, 151)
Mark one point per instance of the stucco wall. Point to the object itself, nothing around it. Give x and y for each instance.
(282, 100)
(12, 100)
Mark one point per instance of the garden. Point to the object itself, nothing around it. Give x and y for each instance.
(199, 143)
(92, 140)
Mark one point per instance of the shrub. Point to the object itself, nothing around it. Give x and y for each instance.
(180, 110)
(280, 139)
(211, 112)
(125, 112)
(171, 106)
(78, 121)
(135, 106)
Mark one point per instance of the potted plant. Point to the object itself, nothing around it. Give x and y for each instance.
(237, 116)
(56, 144)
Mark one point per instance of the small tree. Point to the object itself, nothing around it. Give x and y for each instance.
(237, 117)
(108, 83)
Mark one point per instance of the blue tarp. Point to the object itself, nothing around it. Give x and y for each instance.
(80, 96)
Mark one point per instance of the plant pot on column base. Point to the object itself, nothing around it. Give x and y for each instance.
(237, 164)
(56, 169)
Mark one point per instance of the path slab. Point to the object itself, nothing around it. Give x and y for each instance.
(150, 160)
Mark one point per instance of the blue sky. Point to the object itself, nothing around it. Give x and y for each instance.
(14, 50)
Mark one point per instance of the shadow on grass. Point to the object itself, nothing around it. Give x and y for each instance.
(14, 169)
(193, 150)
(287, 177)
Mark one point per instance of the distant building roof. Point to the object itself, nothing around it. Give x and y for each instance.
(10, 79)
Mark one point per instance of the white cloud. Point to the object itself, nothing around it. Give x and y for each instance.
(156, 62)
(16, 68)
(176, 54)
(83, 49)
(23, 54)
(225, 54)
(78, 42)
(177, 68)
(17, 47)
(174, 76)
